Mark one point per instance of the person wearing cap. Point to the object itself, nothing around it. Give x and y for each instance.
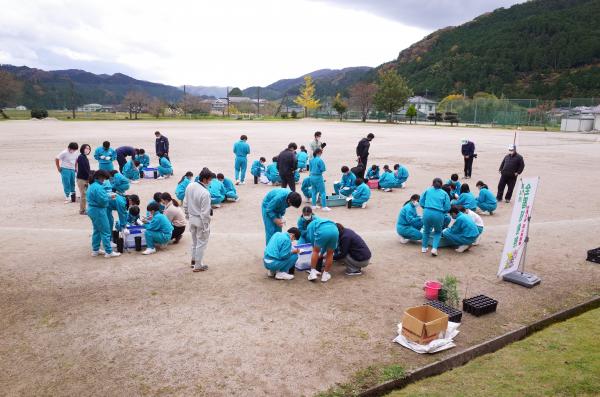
(468, 152)
(511, 167)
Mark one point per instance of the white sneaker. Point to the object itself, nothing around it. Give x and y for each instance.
(434, 252)
(236, 200)
(402, 185)
(161, 177)
(387, 189)
(67, 200)
(283, 276)
(325, 277)
(312, 276)
(424, 250)
(314, 207)
(326, 209)
(404, 240)
(270, 273)
(477, 240)
(99, 252)
(113, 254)
(242, 182)
(364, 205)
(463, 248)
(134, 182)
(270, 184)
(149, 251)
(237, 182)
(217, 206)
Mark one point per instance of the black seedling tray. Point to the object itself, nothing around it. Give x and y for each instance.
(594, 255)
(454, 315)
(479, 305)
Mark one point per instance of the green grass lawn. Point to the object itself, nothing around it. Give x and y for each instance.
(562, 360)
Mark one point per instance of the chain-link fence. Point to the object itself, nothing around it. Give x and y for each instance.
(489, 111)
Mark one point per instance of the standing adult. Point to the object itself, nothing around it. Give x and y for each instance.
(362, 152)
(122, 153)
(65, 165)
(241, 150)
(83, 175)
(468, 151)
(287, 164)
(196, 205)
(511, 167)
(273, 208)
(162, 144)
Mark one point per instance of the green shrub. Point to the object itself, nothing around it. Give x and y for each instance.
(39, 113)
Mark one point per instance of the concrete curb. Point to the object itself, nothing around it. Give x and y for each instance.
(461, 358)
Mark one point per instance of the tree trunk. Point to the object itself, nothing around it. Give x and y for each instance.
(4, 115)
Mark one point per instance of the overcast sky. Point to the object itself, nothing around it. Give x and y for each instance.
(234, 42)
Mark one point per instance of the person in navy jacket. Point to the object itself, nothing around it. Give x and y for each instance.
(162, 145)
(352, 250)
(468, 151)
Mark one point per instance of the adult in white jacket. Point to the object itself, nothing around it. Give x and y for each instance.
(196, 205)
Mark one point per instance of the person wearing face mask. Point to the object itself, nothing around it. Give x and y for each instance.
(274, 206)
(463, 232)
(435, 202)
(65, 165)
(347, 184)
(83, 175)
(511, 167)
(409, 223)
(97, 203)
(486, 200)
(303, 222)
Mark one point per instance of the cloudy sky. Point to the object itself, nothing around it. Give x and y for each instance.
(233, 42)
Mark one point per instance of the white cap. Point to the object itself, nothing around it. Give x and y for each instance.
(464, 140)
(511, 147)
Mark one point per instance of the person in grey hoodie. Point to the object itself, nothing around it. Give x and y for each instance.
(197, 208)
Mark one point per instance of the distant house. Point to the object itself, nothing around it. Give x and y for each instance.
(423, 104)
(20, 107)
(221, 103)
(90, 107)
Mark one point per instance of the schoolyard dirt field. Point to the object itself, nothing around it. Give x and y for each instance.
(136, 325)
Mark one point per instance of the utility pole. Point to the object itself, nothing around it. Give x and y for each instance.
(227, 102)
(184, 103)
(72, 98)
(258, 100)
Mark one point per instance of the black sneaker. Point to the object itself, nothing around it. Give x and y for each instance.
(349, 204)
(355, 273)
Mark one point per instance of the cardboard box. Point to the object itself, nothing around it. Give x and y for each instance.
(422, 324)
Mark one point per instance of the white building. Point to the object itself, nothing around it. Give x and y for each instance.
(90, 107)
(423, 104)
(20, 107)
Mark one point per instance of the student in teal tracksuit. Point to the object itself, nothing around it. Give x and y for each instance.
(373, 172)
(165, 169)
(143, 159)
(455, 186)
(105, 156)
(280, 256)
(409, 223)
(119, 183)
(387, 180)
(435, 202)
(486, 200)
(360, 196)
(217, 192)
(258, 168)
(323, 234)
(241, 150)
(230, 191)
(158, 230)
(302, 158)
(272, 173)
(347, 184)
(131, 171)
(401, 174)
(183, 184)
(462, 233)
(273, 209)
(303, 221)
(306, 188)
(466, 198)
(97, 203)
(119, 204)
(317, 168)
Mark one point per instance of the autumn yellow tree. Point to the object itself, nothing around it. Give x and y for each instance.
(307, 99)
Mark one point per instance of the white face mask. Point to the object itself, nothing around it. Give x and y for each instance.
(416, 204)
(307, 218)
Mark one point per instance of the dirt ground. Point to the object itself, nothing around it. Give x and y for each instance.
(135, 325)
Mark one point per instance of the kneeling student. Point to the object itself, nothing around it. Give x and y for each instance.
(346, 185)
(463, 232)
(175, 215)
(165, 169)
(303, 221)
(279, 255)
(130, 170)
(217, 192)
(272, 173)
(387, 180)
(360, 196)
(306, 189)
(258, 168)
(352, 250)
(409, 223)
(486, 201)
(373, 172)
(230, 191)
(478, 222)
(158, 229)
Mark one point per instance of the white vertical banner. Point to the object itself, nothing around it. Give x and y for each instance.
(519, 226)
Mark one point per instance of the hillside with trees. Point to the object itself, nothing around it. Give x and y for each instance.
(538, 49)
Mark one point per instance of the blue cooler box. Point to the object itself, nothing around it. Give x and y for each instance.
(303, 262)
(150, 173)
(134, 231)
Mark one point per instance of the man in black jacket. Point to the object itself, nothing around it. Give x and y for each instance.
(287, 165)
(162, 144)
(511, 167)
(362, 152)
(468, 152)
(352, 250)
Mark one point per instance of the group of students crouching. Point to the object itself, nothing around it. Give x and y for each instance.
(388, 179)
(164, 220)
(221, 188)
(442, 205)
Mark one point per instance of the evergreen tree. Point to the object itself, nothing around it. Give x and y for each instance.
(392, 92)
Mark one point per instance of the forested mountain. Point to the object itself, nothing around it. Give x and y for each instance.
(52, 89)
(541, 48)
